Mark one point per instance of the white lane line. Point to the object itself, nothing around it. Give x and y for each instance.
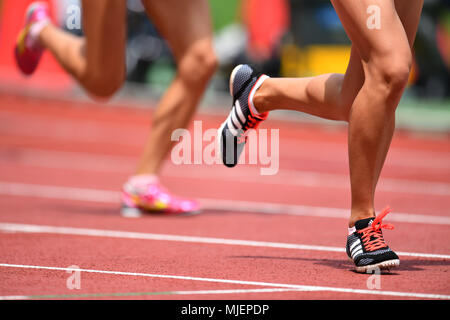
(299, 210)
(398, 156)
(270, 290)
(241, 282)
(106, 196)
(14, 297)
(31, 228)
(311, 179)
(137, 294)
(57, 192)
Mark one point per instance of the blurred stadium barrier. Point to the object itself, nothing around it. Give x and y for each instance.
(304, 38)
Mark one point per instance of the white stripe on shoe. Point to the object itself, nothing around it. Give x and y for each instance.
(354, 244)
(358, 247)
(357, 252)
(235, 120)
(231, 126)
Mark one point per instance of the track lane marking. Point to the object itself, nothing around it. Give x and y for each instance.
(29, 228)
(87, 162)
(106, 196)
(241, 282)
(399, 156)
(134, 294)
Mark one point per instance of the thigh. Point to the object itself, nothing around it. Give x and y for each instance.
(104, 25)
(374, 28)
(409, 13)
(184, 24)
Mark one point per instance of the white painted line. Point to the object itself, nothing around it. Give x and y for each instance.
(302, 178)
(29, 228)
(241, 282)
(14, 297)
(184, 292)
(299, 210)
(106, 196)
(237, 291)
(397, 157)
(63, 193)
(310, 179)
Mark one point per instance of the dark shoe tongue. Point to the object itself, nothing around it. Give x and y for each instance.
(363, 223)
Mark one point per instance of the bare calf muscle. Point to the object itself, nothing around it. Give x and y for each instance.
(366, 96)
(97, 62)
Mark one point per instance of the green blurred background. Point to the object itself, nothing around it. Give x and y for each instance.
(288, 38)
(310, 40)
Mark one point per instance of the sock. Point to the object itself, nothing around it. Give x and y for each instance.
(351, 230)
(139, 179)
(34, 31)
(252, 93)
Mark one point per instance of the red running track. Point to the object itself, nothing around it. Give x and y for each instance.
(259, 237)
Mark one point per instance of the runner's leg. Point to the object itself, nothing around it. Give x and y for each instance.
(97, 61)
(186, 25)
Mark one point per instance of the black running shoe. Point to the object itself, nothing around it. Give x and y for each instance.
(366, 246)
(244, 81)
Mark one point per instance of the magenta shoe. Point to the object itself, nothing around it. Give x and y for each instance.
(28, 51)
(154, 199)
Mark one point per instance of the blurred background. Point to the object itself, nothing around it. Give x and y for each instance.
(295, 38)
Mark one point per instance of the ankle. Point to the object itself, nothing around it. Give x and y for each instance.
(36, 31)
(143, 179)
(261, 99)
(359, 215)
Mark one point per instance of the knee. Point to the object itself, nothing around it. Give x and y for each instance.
(198, 64)
(104, 85)
(389, 75)
(396, 75)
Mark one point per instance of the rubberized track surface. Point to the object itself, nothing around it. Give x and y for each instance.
(62, 165)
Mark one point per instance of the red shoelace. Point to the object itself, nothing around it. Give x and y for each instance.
(372, 236)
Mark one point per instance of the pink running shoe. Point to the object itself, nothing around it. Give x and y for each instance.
(28, 51)
(153, 198)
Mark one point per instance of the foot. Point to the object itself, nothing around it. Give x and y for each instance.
(244, 82)
(367, 248)
(150, 197)
(28, 51)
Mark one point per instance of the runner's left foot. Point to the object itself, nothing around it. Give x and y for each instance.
(148, 196)
(367, 248)
(28, 51)
(244, 81)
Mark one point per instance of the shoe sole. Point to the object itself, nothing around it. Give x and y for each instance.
(385, 265)
(130, 212)
(219, 131)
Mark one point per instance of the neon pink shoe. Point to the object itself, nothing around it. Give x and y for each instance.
(153, 198)
(28, 51)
